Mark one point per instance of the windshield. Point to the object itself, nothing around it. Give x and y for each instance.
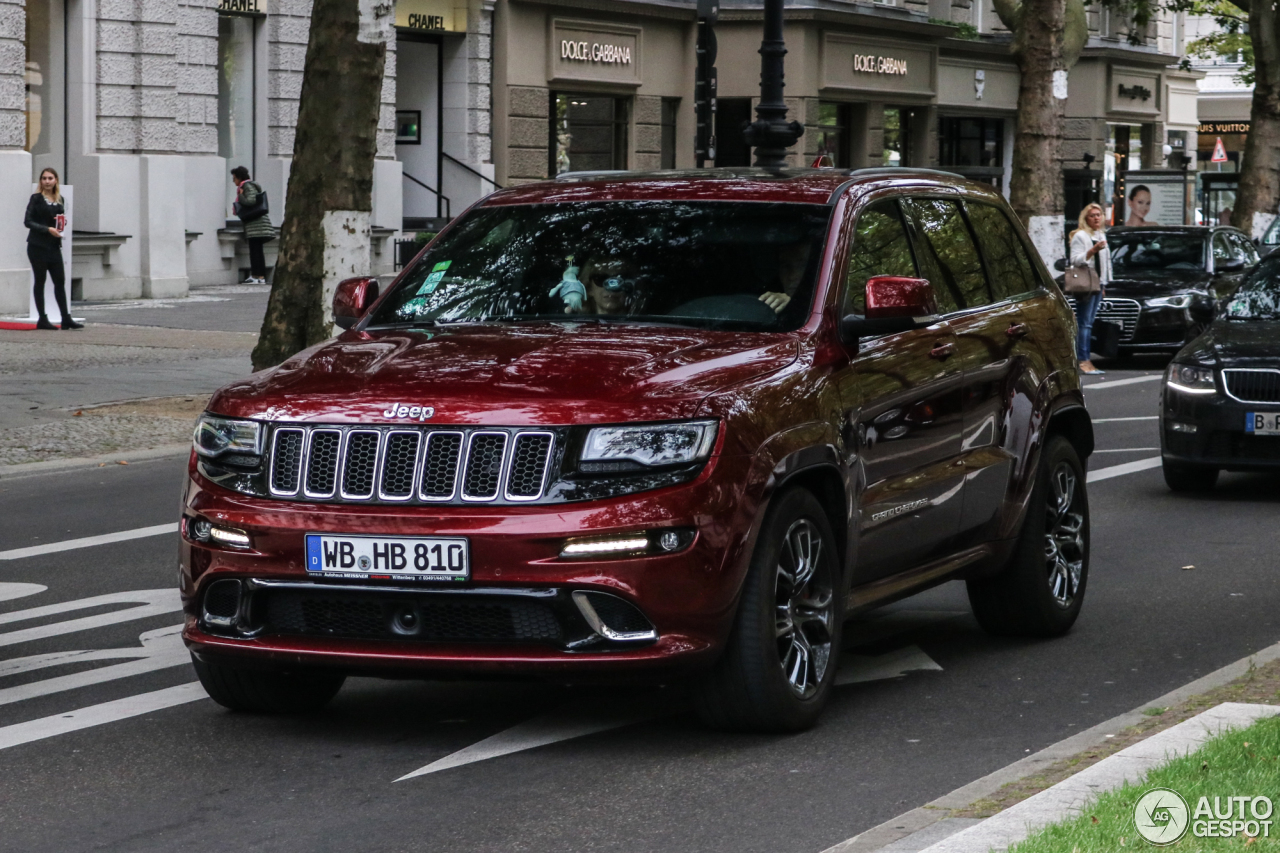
(1155, 250)
(1259, 297)
(732, 265)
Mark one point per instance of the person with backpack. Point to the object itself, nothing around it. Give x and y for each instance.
(251, 207)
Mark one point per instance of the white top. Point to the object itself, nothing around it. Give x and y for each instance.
(1081, 243)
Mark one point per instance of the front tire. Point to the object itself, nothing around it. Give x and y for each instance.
(1188, 478)
(1041, 591)
(267, 691)
(778, 669)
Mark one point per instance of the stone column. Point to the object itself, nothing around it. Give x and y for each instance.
(15, 162)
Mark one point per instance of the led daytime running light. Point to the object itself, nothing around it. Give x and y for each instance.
(605, 546)
(229, 536)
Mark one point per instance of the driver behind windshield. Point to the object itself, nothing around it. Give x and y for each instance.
(793, 258)
(603, 286)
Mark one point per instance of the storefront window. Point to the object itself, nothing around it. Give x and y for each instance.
(670, 106)
(235, 90)
(45, 73)
(1124, 154)
(833, 134)
(897, 136)
(972, 142)
(731, 145)
(589, 132)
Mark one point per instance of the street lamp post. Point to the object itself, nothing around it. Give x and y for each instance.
(771, 134)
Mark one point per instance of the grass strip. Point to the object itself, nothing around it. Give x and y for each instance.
(1244, 762)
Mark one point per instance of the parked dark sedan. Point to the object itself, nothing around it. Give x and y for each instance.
(1168, 282)
(1221, 402)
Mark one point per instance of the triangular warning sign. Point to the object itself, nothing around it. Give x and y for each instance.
(1219, 152)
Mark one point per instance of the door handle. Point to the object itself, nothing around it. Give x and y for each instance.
(942, 349)
(1016, 330)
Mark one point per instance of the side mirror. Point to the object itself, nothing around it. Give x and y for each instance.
(352, 300)
(1229, 266)
(1060, 265)
(894, 304)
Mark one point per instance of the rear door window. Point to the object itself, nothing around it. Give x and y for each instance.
(880, 247)
(1011, 273)
(948, 253)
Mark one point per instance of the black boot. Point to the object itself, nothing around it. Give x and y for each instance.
(43, 323)
(68, 323)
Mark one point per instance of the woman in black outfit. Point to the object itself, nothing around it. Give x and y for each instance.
(44, 247)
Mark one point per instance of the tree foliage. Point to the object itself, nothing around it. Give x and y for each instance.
(1231, 42)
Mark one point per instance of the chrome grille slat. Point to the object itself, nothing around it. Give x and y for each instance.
(409, 464)
(1122, 312)
(1252, 385)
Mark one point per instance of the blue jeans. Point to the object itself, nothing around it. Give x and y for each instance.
(1086, 311)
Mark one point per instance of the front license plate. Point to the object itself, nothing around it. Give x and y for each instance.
(419, 558)
(1262, 423)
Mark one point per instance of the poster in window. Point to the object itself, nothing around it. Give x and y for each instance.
(408, 127)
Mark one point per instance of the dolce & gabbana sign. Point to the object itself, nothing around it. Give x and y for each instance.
(874, 65)
(595, 52)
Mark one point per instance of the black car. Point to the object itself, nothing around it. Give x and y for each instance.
(1221, 401)
(1167, 283)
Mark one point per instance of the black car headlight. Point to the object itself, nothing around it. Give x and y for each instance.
(214, 436)
(627, 448)
(1190, 379)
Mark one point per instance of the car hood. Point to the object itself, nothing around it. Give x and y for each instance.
(1141, 285)
(1237, 343)
(565, 373)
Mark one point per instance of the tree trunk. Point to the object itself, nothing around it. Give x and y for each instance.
(1035, 189)
(325, 236)
(1259, 190)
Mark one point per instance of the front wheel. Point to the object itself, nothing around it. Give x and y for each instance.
(1040, 592)
(267, 691)
(777, 671)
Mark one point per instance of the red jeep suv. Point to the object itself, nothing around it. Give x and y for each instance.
(649, 425)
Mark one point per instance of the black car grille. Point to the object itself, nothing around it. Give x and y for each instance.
(1253, 386)
(409, 464)
(1122, 312)
(388, 616)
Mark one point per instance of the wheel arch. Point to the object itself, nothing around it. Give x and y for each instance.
(1072, 422)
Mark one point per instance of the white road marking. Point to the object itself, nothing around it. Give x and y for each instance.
(148, 602)
(89, 541)
(161, 649)
(1121, 470)
(564, 724)
(10, 591)
(1128, 450)
(1116, 383)
(855, 669)
(1117, 420)
(97, 715)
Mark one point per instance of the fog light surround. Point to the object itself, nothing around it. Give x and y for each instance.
(1175, 426)
(663, 541)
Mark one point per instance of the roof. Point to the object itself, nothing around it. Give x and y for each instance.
(806, 186)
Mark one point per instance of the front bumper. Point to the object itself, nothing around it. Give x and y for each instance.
(521, 612)
(1219, 440)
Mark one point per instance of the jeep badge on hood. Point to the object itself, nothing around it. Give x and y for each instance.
(399, 410)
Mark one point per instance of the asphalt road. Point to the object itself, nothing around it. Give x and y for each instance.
(85, 765)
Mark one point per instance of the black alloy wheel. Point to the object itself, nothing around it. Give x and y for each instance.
(779, 665)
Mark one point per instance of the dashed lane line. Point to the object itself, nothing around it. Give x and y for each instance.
(89, 541)
(1117, 420)
(97, 715)
(1116, 383)
(1121, 470)
(1128, 450)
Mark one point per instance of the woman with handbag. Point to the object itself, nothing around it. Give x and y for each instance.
(251, 207)
(1087, 278)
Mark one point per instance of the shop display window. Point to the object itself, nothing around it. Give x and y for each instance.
(44, 77)
(971, 142)
(235, 90)
(833, 134)
(732, 114)
(897, 136)
(588, 132)
(670, 107)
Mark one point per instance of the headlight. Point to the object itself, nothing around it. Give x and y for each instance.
(628, 448)
(215, 435)
(1190, 378)
(1182, 300)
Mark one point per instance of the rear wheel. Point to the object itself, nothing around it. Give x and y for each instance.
(778, 668)
(1188, 478)
(1040, 592)
(267, 691)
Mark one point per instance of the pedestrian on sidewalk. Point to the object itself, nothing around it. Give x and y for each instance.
(45, 221)
(251, 207)
(1089, 250)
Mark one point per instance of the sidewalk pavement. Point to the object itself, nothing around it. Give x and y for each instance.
(178, 349)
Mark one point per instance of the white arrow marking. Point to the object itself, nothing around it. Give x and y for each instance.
(855, 669)
(563, 724)
(89, 541)
(97, 715)
(149, 602)
(10, 591)
(161, 649)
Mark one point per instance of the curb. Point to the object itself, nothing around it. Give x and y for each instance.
(51, 466)
(908, 823)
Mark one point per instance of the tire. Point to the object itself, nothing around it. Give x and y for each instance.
(1041, 591)
(267, 691)
(1188, 478)
(777, 671)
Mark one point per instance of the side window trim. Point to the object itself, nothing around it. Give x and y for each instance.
(986, 262)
